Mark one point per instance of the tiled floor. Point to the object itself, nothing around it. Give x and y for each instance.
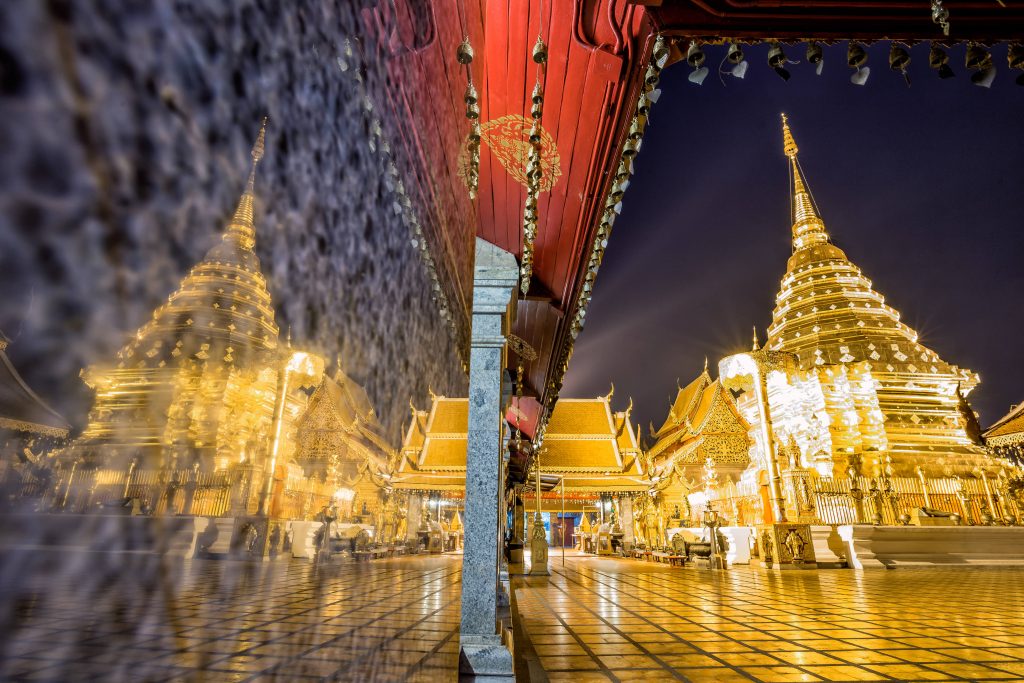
(607, 619)
(133, 618)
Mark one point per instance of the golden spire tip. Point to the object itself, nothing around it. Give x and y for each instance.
(788, 143)
(756, 345)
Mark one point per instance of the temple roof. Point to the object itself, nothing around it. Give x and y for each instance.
(702, 421)
(1007, 430)
(585, 442)
(21, 409)
(828, 313)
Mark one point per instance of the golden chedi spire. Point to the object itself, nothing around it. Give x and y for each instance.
(242, 225)
(808, 228)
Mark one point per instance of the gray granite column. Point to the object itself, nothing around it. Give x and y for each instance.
(412, 517)
(626, 507)
(495, 277)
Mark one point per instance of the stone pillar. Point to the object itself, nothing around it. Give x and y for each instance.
(626, 505)
(412, 519)
(495, 277)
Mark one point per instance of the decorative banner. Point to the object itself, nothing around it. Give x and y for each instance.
(509, 140)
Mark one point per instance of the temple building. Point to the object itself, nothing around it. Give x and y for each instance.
(863, 384)
(703, 422)
(29, 428)
(1006, 436)
(589, 460)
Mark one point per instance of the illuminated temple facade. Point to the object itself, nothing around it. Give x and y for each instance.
(587, 445)
(864, 383)
(207, 385)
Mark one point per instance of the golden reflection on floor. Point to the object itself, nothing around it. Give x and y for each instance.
(108, 617)
(616, 619)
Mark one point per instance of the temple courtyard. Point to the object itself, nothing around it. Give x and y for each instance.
(593, 619)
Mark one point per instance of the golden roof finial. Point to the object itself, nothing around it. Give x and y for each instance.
(242, 226)
(808, 228)
(757, 344)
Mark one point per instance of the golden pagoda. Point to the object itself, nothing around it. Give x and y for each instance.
(876, 388)
(197, 383)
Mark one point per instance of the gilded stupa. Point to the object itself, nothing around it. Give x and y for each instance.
(841, 329)
(196, 383)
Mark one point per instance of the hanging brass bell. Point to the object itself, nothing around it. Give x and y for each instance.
(661, 53)
(535, 135)
(538, 94)
(735, 53)
(540, 51)
(629, 150)
(651, 76)
(473, 111)
(536, 111)
(465, 52)
(643, 105)
(977, 57)
(814, 53)
(856, 55)
(471, 95)
(1015, 55)
(776, 56)
(899, 58)
(636, 129)
(694, 55)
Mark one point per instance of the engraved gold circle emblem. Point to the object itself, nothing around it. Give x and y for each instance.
(508, 139)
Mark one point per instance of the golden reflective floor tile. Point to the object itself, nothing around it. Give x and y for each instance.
(1011, 653)
(822, 644)
(579, 677)
(782, 646)
(688, 660)
(802, 657)
(865, 643)
(558, 649)
(973, 654)
(714, 676)
(864, 657)
(592, 628)
(661, 637)
(922, 656)
(1013, 640)
(744, 636)
(846, 673)
(554, 640)
(569, 663)
(1013, 667)
(971, 671)
(922, 641)
(674, 648)
(909, 672)
(598, 638)
(642, 674)
(780, 674)
(749, 659)
(629, 662)
(723, 646)
(974, 641)
(615, 649)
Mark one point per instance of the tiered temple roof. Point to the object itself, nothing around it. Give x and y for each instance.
(21, 409)
(702, 421)
(828, 314)
(591, 447)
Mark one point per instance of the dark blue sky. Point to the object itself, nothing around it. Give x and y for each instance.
(920, 186)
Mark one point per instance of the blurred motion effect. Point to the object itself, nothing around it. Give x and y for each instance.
(220, 358)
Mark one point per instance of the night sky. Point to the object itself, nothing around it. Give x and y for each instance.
(921, 186)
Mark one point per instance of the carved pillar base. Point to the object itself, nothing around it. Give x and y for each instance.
(786, 546)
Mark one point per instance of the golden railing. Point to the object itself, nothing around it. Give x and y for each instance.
(866, 500)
